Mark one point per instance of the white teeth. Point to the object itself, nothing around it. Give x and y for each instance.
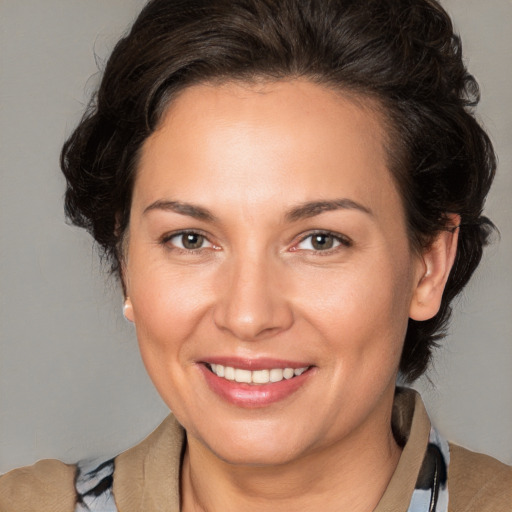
(276, 374)
(288, 373)
(256, 376)
(243, 376)
(260, 376)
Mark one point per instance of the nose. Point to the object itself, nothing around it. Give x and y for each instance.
(252, 302)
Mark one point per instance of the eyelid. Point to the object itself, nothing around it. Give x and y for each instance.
(166, 238)
(344, 241)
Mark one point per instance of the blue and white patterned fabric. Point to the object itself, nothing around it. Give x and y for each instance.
(431, 492)
(94, 481)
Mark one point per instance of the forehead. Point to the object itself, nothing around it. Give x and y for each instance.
(297, 139)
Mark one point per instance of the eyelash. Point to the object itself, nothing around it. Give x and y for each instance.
(342, 241)
(165, 241)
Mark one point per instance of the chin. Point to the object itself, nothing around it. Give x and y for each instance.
(255, 455)
(255, 444)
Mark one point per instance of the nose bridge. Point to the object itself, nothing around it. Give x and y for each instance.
(252, 304)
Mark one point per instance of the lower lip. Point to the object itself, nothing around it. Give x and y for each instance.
(253, 395)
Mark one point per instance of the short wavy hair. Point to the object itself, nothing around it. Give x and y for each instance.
(402, 53)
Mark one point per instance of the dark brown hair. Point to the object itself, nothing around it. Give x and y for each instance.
(402, 53)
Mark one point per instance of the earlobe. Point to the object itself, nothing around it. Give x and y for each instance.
(437, 263)
(128, 310)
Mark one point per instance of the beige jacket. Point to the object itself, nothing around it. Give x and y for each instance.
(146, 477)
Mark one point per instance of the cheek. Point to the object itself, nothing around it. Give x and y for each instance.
(167, 308)
(362, 308)
(168, 304)
(167, 314)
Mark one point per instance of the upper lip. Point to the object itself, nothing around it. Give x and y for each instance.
(263, 363)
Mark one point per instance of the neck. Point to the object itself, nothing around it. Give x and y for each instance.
(351, 474)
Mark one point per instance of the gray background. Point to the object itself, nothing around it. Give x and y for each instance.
(71, 381)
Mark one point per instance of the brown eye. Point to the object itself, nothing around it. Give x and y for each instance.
(322, 242)
(188, 241)
(192, 241)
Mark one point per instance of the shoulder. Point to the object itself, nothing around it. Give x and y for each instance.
(48, 485)
(139, 478)
(478, 483)
(148, 474)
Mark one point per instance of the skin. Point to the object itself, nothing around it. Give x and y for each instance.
(256, 287)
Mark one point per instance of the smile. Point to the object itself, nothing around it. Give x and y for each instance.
(266, 376)
(255, 383)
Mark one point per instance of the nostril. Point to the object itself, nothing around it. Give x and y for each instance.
(250, 305)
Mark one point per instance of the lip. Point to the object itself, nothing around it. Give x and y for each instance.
(263, 363)
(252, 396)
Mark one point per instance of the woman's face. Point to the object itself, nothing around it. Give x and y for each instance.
(267, 239)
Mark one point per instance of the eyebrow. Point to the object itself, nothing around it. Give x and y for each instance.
(302, 211)
(313, 208)
(197, 212)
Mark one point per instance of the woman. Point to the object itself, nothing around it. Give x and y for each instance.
(291, 195)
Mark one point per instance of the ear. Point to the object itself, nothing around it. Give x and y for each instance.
(128, 310)
(437, 262)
